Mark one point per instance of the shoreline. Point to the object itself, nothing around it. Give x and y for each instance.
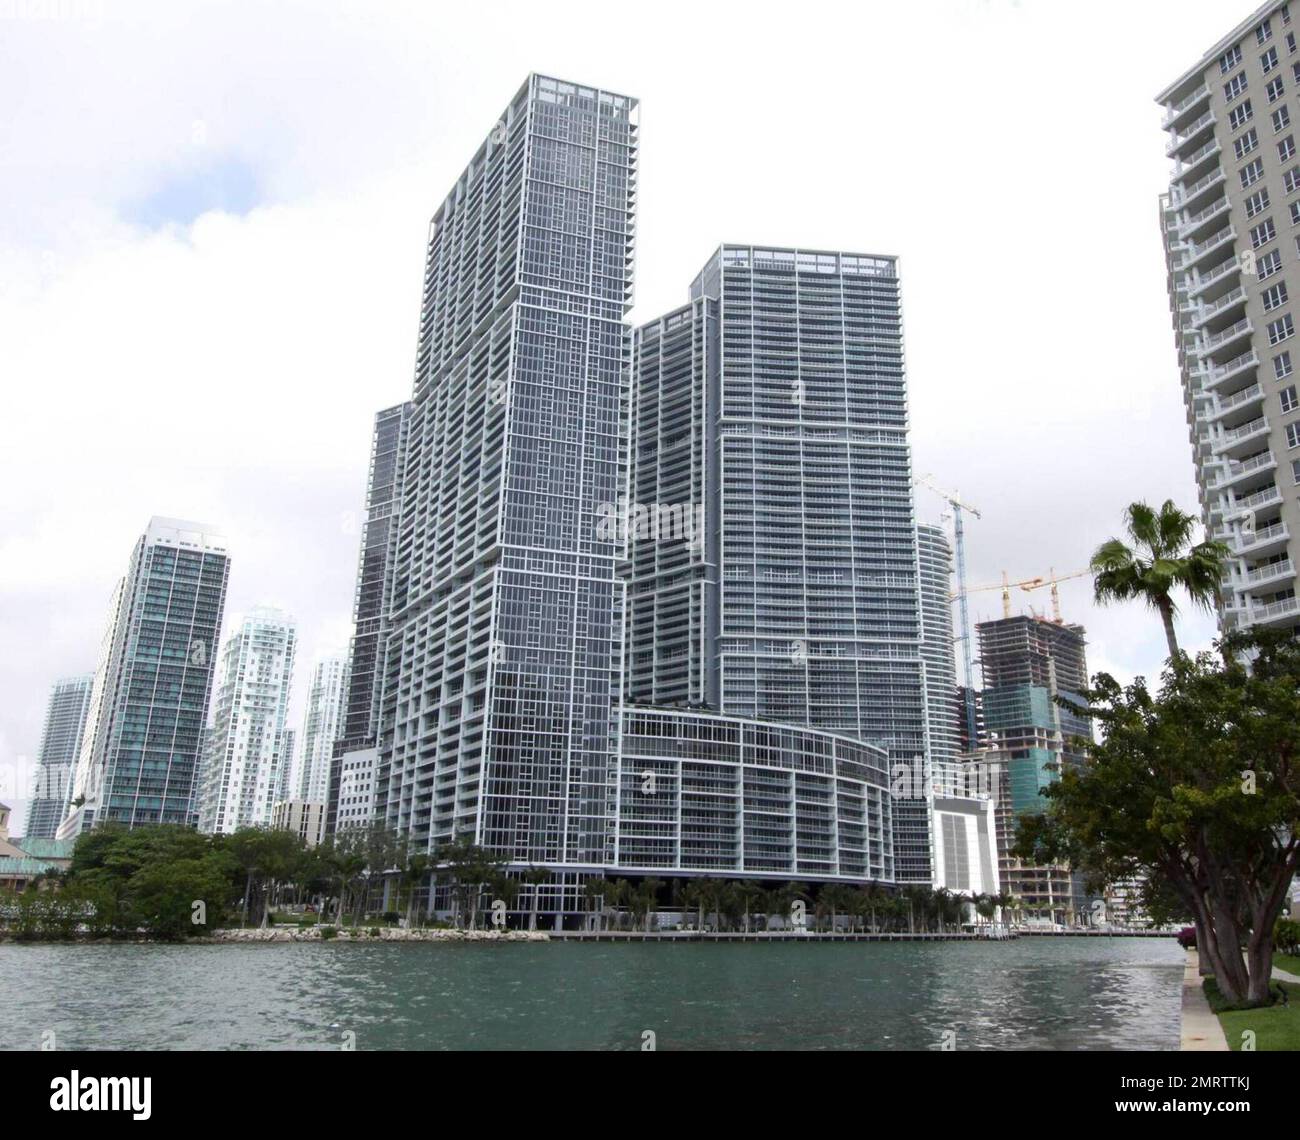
(364, 935)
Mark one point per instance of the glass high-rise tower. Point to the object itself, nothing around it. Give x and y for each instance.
(503, 658)
(143, 745)
(772, 410)
(65, 720)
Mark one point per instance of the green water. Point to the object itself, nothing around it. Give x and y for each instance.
(1032, 993)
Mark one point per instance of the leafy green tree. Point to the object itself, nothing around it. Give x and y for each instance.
(468, 869)
(1197, 787)
(1160, 560)
(163, 896)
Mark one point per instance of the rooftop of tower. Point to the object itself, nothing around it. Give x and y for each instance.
(1213, 53)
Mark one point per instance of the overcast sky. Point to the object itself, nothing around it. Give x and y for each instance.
(212, 222)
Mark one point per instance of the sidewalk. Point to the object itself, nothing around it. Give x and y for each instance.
(1201, 1029)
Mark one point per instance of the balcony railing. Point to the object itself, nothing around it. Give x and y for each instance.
(1285, 608)
(1230, 333)
(1265, 498)
(1178, 108)
(1282, 569)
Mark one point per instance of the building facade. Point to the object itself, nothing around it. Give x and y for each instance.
(1232, 247)
(774, 550)
(1026, 663)
(305, 820)
(354, 750)
(503, 660)
(321, 724)
(942, 711)
(143, 744)
(61, 737)
(246, 747)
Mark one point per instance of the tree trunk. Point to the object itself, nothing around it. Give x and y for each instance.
(1167, 616)
(248, 890)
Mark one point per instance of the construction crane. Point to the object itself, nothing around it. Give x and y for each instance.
(954, 501)
(1029, 585)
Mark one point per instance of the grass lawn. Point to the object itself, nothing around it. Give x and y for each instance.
(1288, 962)
(1276, 1028)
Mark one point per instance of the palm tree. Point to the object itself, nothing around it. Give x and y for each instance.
(650, 898)
(1161, 559)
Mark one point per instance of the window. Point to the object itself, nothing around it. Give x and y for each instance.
(1289, 400)
(1295, 213)
(1281, 329)
(1264, 32)
(1291, 180)
(1268, 60)
(1295, 470)
(1293, 434)
(1248, 142)
(1234, 87)
(1269, 264)
(1290, 43)
(1257, 203)
(1252, 173)
(1240, 114)
(1263, 233)
(1281, 118)
(1286, 148)
(1275, 296)
(1229, 59)
(1282, 365)
(1275, 89)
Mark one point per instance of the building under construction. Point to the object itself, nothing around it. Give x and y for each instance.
(1026, 663)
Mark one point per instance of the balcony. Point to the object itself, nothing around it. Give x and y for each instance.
(1197, 193)
(1275, 612)
(1228, 301)
(1233, 411)
(1237, 366)
(1190, 134)
(1260, 543)
(1269, 497)
(1229, 269)
(1227, 338)
(1234, 441)
(1194, 163)
(1197, 221)
(1216, 242)
(1180, 109)
(1263, 575)
(1241, 476)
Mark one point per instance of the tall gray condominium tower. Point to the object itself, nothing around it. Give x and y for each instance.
(775, 403)
(144, 736)
(499, 689)
(65, 718)
(353, 755)
(943, 711)
(1231, 223)
(503, 662)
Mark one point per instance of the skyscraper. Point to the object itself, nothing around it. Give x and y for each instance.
(772, 410)
(774, 649)
(246, 753)
(503, 662)
(65, 720)
(1027, 662)
(1229, 223)
(321, 725)
(942, 711)
(142, 747)
(354, 752)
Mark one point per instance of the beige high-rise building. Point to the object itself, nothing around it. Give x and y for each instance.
(1231, 222)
